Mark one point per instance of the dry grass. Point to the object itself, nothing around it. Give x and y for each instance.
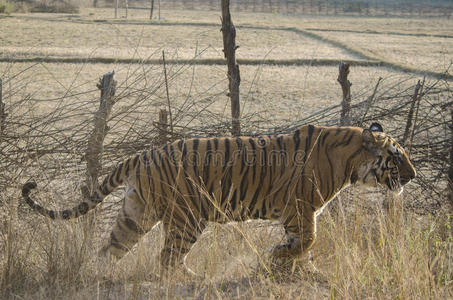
(418, 52)
(294, 92)
(363, 251)
(379, 24)
(57, 39)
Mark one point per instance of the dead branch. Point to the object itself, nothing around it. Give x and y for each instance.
(410, 115)
(369, 102)
(416, 115)
(96, 141)
(229, 49)
(168, 95)
(2, 111)
(345, 118)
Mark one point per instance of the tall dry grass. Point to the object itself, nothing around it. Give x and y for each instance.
(363, 251)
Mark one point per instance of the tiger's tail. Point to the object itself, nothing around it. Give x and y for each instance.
(110, 183)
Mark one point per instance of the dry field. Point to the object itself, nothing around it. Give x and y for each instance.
(371, 246)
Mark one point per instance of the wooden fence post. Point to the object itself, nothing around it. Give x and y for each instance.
(229, 49)
(162, 127)
(345, 118)
(151, 10)
(95, 142)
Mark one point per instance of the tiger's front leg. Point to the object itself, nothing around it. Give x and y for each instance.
(300, 233)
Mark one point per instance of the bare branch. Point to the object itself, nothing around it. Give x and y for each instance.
(2, 112)
(410, 116)
(229, 49)
(168, 94)
(416, 114)
(369, 103)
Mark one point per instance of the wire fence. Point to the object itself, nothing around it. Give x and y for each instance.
(51, 144)
(443, 8)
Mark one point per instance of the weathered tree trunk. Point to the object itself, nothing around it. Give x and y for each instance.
(96, 141)
(345, 118)
(229, 49)
(151, 10)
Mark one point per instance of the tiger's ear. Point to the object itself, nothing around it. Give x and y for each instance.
(369, 142)
(376, 127)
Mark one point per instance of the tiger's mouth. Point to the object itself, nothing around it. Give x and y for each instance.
(394, 185)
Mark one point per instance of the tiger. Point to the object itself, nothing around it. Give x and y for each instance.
(285, 177)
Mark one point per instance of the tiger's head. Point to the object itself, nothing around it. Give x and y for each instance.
(386, 162)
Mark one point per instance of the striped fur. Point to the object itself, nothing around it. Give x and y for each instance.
(285, 177)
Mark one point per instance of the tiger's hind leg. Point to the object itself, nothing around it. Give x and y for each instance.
(181, 232)
(134, 220)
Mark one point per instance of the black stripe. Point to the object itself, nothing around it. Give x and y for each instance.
(207, 162)
(66, 214)
(254, 162)
(279, 142)
(307, 143)
(172, 155)
(147, 163)
(138, 181)
(112, 180)
(348, 164)
(162, 164)
(254, 200)
(115, 243)
(180, 143)
(134, 164)
(233, 201)
(227, 154)
(324, 137)
(128, 162)
(195, 144)
(82, 208)
(157, 167)
(243, 188)
(132, 225)
(332, 177)
(296, 139)
(118, 172)
(226, 185)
